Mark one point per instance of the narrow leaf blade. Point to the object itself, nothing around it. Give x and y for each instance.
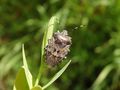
(51, 26)
(24, 57)
(49, 32)
(102, 76)
(27, 72)
(57, 75)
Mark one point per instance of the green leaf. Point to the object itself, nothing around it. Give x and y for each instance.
(57, 75)
(24, 57)
(27, 72)
(49, 32)
(21, 80)
(37, 88)
(24, 78)
(51, 27)
(47, 35)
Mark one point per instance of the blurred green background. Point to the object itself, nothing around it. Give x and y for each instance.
(94, 26)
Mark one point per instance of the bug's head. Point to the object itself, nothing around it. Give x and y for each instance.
(62, 38)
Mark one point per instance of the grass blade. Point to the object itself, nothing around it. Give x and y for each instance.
(57, 75)
(102, 76)
(27, 72)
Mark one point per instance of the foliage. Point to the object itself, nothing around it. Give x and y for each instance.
(24, 77)
(94, 26)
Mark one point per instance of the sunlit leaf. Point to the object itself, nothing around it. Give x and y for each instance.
(57, 75)
(21, 80)
(24, 78)
(27, 72)
(47, 35)
(49, 32)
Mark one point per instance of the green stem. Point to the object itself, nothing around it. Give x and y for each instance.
(41, 68)
(41, 64)
(40, 72)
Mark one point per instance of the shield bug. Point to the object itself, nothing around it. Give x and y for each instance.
(57, 48)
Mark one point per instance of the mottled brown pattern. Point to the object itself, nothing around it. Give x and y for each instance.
(57, 48)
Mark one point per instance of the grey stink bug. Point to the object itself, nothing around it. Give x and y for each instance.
(57, 48)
